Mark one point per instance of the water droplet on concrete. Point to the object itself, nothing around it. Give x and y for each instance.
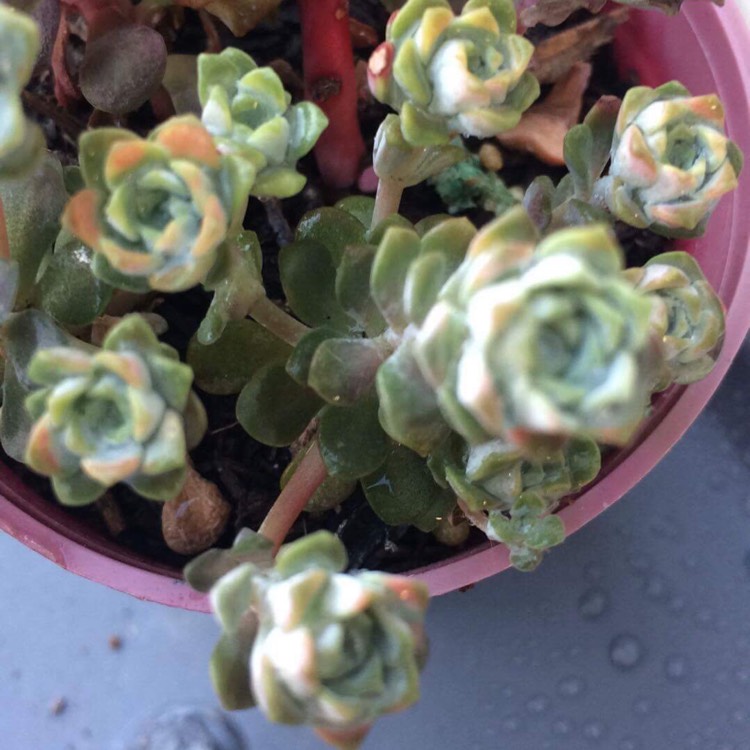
(562, 727)
(511, 724)
(593, 603)
(570, 687)
(676, 604)
(655, 587)
(594, 731)
(538, 704)
(676, 667)
(593, 573)
(639, 564)
(625, 651)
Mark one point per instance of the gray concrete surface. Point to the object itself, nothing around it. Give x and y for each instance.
(632, 636)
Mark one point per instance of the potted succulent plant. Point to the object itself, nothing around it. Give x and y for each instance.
(207, 331)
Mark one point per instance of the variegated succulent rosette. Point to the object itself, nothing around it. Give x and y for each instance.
(112, 415)
(309, 643)
(531, 340)
(448, 74)
(155, 211)
(689, 319)
(671, 160)
(511, 497)
(248, 112)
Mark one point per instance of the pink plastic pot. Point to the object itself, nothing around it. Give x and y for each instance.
(705, 48)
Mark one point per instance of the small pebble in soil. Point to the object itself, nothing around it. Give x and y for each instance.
(58, 706)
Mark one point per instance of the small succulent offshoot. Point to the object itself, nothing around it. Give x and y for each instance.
(671, 160)
(448, 74)
(689, 321)
(113, 415)
(249, 114)
(309, 643)
(511, 498)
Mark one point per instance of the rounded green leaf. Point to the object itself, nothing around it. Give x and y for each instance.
(403, 491)
(273, 408)
(68, 289)
(333, 228)
(351, 440)
(226, 366)
(308, 276)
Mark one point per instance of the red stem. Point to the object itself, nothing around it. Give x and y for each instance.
(331, 83)
(309, 475)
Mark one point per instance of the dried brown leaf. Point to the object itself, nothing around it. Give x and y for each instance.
(542, 129)
(557, 54)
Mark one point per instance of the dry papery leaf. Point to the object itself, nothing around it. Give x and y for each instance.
(557, 54)
(542, 129)
(554, 12)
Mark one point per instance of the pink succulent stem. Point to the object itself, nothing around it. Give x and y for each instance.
(309, 475)
(331, 83)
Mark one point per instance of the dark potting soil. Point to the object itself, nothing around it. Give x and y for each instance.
(247, 472)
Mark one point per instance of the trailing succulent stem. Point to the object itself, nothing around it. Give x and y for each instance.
(309, 643)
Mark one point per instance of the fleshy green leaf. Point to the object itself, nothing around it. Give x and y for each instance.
(248, 547)
(308, 276)
(68, 289)
(343, 370)
(273, 408)
(409, 410)
(353, 288)
(333, 228)
(352, 442)
(25, 333)
(403, 491)
(226, 366)
(33, 206)
(319, 550)
(236, 282)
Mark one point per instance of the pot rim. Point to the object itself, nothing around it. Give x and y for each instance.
(729, 37)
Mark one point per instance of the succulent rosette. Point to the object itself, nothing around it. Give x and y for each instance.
(249, 114)
(690, 319)
(493, 475)
(324, 648)
(110, 415)
(155, 211)
(533, 343)
(448, 74)
(671, 160)
(511, 497)
(21, 142)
